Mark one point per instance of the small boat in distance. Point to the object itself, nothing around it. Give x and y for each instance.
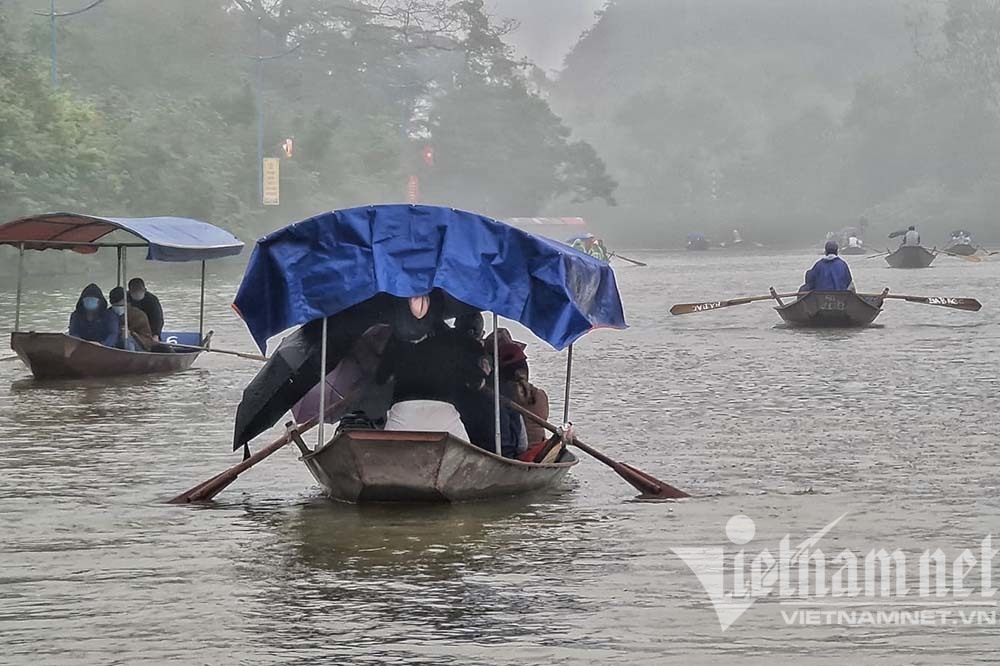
(830, 309)
(697, 242)
(910, 256)
(54, 355)
(961, 244)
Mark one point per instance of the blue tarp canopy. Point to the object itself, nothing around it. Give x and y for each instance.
(325, 264)
(168, 238)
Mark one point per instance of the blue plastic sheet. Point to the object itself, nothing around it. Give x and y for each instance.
(328, 263)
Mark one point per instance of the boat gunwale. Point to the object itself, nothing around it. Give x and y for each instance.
(431, 437)
(64, 336)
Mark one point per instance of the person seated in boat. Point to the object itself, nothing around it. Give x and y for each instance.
(961, 238)
(854, 241)
(431, 370)
(516, 385)
(92, 320)
(148, 303)
(140, 335)
(830, 273)
(911, 237)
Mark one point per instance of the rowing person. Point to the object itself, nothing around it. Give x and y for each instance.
(830, 273)
(911, 237)
(92, 320)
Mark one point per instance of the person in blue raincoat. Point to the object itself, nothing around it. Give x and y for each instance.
(93, 320)
(831, 273)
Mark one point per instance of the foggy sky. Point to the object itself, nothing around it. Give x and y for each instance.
(549, 28)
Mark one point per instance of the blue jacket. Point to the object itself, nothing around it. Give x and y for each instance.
(831, 273)
(101, 327)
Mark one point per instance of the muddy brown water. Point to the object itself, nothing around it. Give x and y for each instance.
(896, 426)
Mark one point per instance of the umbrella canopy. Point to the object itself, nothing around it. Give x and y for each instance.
(167, 238)
(358, 267)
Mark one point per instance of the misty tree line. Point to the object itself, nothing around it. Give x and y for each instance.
(790, 118)
(156, 111)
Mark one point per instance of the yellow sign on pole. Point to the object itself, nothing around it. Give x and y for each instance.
(272, 189)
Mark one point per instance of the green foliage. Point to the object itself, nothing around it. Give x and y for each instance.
(157, 110)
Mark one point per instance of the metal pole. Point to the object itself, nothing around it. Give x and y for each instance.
(52, 20)
(322, 387)
(20, 279)
(125, 334)
(496, 387)
(569, 376)
(201, 313)
(119, 268)
(260, 122)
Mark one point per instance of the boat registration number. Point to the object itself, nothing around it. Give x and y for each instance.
(832, 303)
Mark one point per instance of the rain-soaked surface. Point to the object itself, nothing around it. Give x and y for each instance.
(896, 425)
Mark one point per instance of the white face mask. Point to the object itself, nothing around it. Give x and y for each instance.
(119, 309)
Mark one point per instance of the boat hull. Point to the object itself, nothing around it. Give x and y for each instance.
(360, 466)
(698, 245)
(910, 256)
(848, 250)
(60, 356)
(962, 249)
(831, 309)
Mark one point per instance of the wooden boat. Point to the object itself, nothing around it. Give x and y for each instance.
(697, 243)
(963, 249)
(173, 239)
(831, 309)
(60, 356)
(852, 250)
(395, 466)
(910, 256)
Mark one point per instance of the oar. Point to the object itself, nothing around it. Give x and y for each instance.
(252, 357)
(207, 490)
(648, 485)
(880, 254)
(972, 258)
(9, 358)
(631, 261)
(969, 304)
(688, 308)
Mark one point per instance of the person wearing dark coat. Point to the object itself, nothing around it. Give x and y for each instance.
(831, 273)
(148, 303)
(140, 336)
(92, 320)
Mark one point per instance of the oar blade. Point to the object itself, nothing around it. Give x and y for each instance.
(969, 304)
(648, 485)
(690, 308)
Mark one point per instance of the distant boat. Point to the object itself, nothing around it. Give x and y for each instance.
(590, 244)
(697, 242)
(910, 256)
(961, 244)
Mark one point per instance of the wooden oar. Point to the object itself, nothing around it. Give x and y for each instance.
(880, 254)
(207, 490)
(648, 485)
(973, 258)
(688, 308)
(631, 261)
(9, 358)
(969, 304)
(252, 357)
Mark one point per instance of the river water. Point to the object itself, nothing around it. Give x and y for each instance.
(895, 425)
